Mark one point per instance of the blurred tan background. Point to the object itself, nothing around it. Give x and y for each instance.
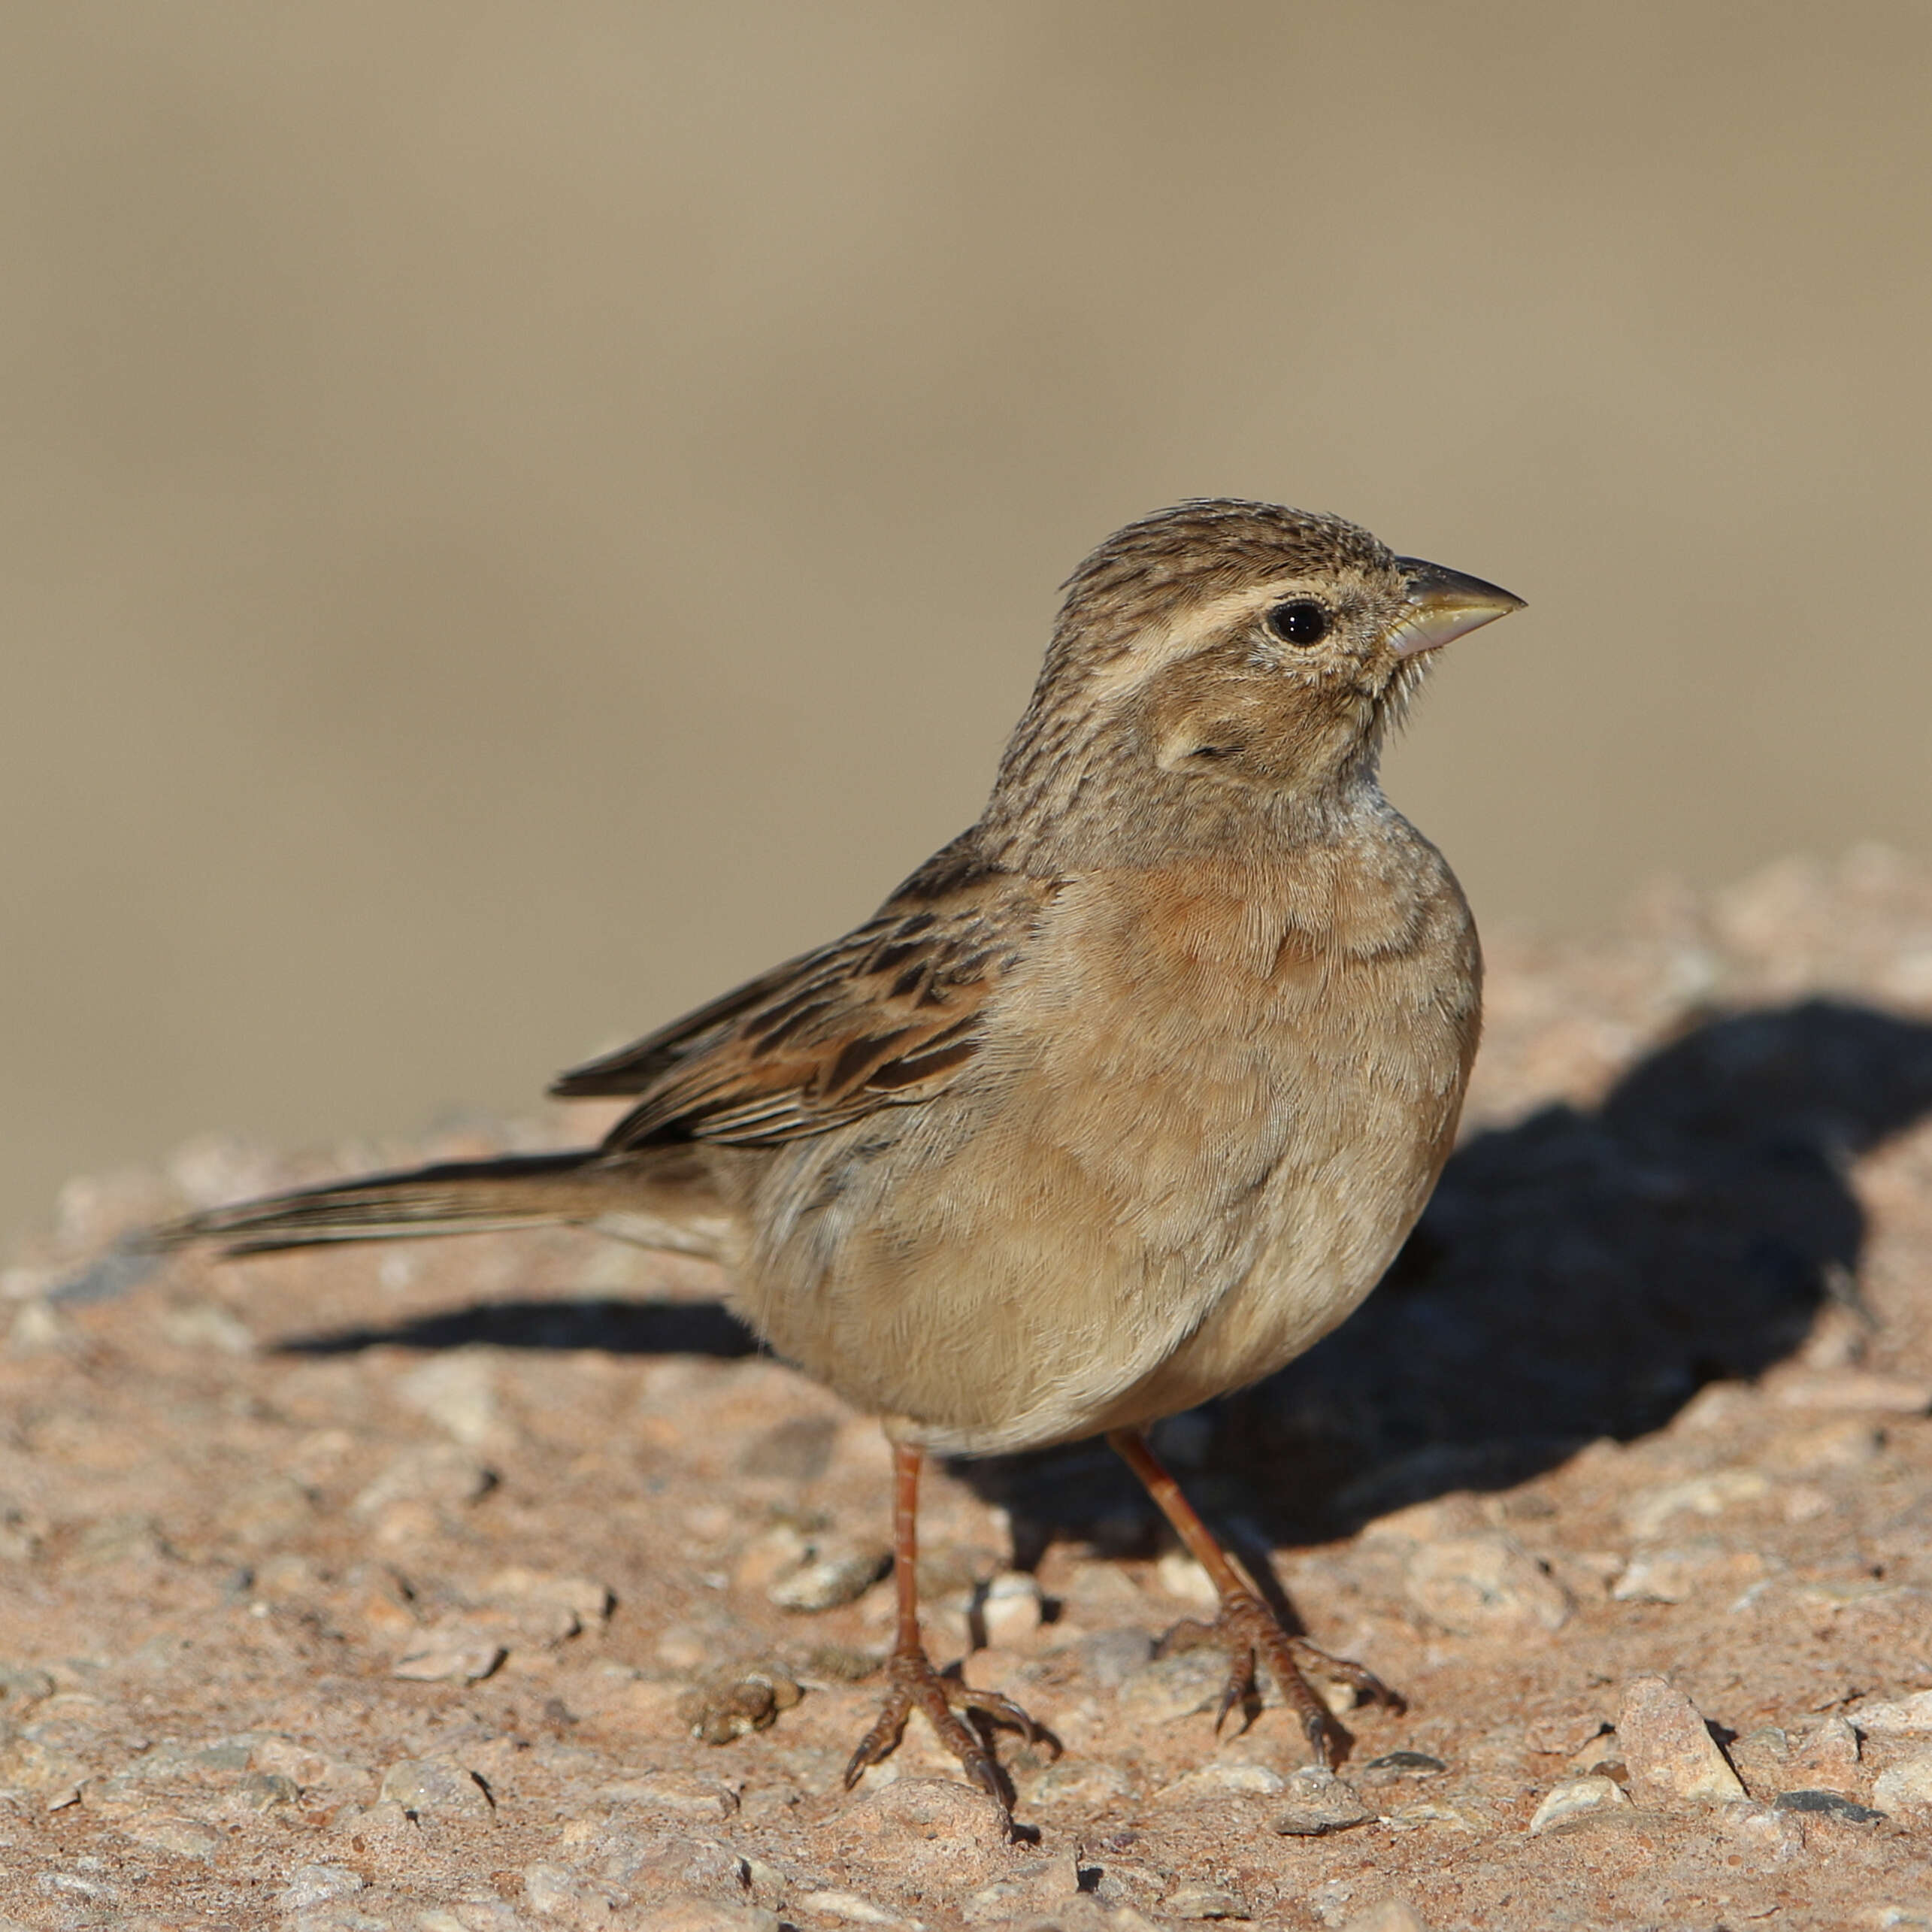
(512, 517)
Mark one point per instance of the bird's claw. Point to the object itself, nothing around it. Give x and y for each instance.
(912, 1683)
(1359, 1678)
(1255, 1641)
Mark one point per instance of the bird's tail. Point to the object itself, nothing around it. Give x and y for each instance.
(661, 1203)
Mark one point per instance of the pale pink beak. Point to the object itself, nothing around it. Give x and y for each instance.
(1444, 604)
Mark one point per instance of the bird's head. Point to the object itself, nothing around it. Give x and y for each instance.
(1222, 649)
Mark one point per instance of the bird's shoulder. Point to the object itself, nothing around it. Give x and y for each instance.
(887, 1015)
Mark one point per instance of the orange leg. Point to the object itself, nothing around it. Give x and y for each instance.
(911, 1680)
(1246, 1628)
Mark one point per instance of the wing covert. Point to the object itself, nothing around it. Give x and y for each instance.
(886, 1016)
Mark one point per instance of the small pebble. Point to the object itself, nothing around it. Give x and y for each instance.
(310, 1769)
(1827, 1759)
(1761, 1756)
(385, 1822)
(1910, 1717)
(76, 1885)
(1040, 1886)
(1768, 1836)
(442, 1474)
(824, 1583)
(316, 1884)
(1432, 1811)
(562, 1892)
(847, 1906)
(1669, 1747)
(375, 1596)
(587, 1600)
(185, 1837)
(262, 1791)
(27, 1764)
(435, 1786)
(1907, 1782)
(1010, 1609)
(933, 1814)
(1391, 1914)
(662, 1791)
(1576, 1798)
(452, 1654)
(1180, 1576)
(1649, 1509)
(954, 1570)
(1319, 1803)
(1203, 1901)
(1828, 1804)
(766, 1884)
(1394, 1765)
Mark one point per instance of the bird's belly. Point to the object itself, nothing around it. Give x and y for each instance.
(1046, 1293)
(1171, 1208)
(1331, 1239)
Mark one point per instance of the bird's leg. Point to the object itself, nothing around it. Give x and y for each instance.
(911, 1680)
(1246, 1628)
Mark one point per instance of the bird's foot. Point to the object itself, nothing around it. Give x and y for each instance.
(912, 1683)
(1255, 1642)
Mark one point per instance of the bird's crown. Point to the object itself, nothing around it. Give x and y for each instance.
(1202, 548)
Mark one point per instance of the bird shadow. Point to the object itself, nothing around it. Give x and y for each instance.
(616, 1326)
(1579, 1274)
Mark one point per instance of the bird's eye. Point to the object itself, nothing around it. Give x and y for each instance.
(1304, 622)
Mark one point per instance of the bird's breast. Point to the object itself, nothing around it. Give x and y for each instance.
(1204, 1111)
(1207, 1025)
(1263, 1075)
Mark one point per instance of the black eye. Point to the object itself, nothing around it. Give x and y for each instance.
(1304, 622)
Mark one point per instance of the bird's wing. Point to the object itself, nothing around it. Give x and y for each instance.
(885, 1016)
(636, 1068)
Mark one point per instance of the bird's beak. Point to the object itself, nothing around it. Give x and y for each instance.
(1444, 604)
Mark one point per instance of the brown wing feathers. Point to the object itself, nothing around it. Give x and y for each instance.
(883, 1017)
(631, 1069)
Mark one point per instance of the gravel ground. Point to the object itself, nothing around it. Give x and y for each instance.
(404, 1587)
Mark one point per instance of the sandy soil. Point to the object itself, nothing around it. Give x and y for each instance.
(390, 1587)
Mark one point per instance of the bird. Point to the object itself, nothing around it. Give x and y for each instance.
(1118, 1103)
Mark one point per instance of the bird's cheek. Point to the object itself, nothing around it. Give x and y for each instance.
(1197, 744)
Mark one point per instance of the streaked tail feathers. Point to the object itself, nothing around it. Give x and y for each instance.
(661, 1201)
